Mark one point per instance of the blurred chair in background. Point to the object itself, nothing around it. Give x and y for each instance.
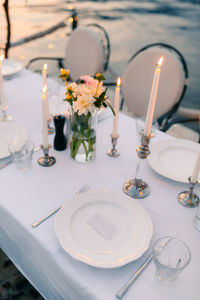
(137, 81)
(87, 52)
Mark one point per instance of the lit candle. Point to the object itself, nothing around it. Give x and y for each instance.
(116, 109)
(44, 118)
(152, 99)
(1, 85)
(195, 173)
(44, 76)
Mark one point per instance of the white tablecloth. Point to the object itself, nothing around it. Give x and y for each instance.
(28, 196)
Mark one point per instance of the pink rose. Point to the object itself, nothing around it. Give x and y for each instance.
(88, 79)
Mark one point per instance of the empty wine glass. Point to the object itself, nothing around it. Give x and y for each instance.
(140, 122)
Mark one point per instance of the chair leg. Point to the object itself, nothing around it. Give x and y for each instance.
(121, 104)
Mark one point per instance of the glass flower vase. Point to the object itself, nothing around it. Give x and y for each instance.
(83, 136)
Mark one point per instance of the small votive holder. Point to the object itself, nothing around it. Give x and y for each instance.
(22, 153)
(113, 152)
(189, 198)
(171, 256)
(46, 160)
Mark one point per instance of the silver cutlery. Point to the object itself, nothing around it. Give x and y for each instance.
(127, 285)
(6, 163)
(85, 188)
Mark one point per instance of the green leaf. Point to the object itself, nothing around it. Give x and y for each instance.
(109, 104)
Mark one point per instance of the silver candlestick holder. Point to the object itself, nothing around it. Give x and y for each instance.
(189, 198)
(46, 160)
(136, 187)
(113, 152)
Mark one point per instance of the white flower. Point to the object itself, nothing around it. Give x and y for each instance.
(84, 104)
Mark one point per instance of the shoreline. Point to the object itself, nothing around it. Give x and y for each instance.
(130, 26)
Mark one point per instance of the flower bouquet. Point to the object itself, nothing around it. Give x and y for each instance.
(85, 97)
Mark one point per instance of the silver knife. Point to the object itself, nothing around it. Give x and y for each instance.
(127, 285)
(6, 163)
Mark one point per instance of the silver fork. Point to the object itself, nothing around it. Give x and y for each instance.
(84, 188)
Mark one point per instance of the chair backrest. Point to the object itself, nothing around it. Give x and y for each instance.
(87, 51)
(138, 76)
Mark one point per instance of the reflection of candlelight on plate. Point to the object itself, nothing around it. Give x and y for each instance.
(152, 100)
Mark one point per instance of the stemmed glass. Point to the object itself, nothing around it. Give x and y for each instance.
(55, 103)
(140, 127)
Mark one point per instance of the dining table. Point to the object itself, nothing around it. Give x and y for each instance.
(27, 196)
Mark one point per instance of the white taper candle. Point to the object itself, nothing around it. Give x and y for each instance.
(152, 99)
(44, 119)
(44, 76)
(2, 95)
(116, 109)
(195, 173)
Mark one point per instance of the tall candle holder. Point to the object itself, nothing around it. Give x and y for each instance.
(113, 152)
(189, 198)
(46, 160)
(136, 187)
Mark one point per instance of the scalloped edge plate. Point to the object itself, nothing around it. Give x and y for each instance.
(124, 234)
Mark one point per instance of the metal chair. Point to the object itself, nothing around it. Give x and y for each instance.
(137, 80)
(87, 52)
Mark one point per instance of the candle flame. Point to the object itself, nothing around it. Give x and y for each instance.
(44, 90)
(1, 57)
(45, 67)
(118, 81)
(160, 62)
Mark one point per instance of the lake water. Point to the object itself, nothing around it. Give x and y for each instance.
(130, 25)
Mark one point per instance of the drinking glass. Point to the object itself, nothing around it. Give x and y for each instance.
(22, 153)
(140, 122)
(170, 256)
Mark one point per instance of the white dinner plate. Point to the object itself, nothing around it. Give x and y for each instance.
(103, 229)
(174, 159)
(8, 132)
(11, 67)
